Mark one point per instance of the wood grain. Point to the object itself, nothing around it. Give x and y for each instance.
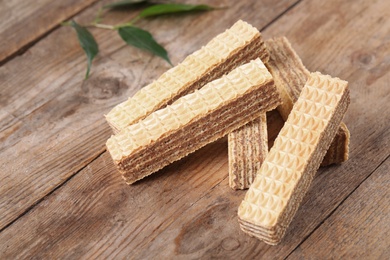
(24, 22)
(359, 228)
(51, 129)
(52, 121)
(96, 215)
(98, 200)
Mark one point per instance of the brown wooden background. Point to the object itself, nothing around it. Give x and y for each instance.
(61, 197)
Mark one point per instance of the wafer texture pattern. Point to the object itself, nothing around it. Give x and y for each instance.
(219, 56)
(290, 75)
(129, 149)
(248, 147)
(286, 173)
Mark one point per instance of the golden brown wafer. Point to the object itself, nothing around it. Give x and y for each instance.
(286, 174)
(193, 121)
(234, 47)
(290, 75)
(248, 147)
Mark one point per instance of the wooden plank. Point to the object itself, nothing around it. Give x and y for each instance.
(52, 121)
(98, 196)
(359, 228)
(96, 215)
(209, 229)
(187, 210)
(24, 22)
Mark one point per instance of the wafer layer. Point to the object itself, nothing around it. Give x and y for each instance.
(248, 147)
(290, 75)
(338, 151)
(285, 175)
(193, 121)
(236, 46)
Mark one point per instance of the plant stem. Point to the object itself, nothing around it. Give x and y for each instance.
(116, 27)
(135, 19)
(127, 24)
(103, 26)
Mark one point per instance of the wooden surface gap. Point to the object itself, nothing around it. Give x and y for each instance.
(337, 207)
(30, 44)
(32, 206)
(347, 235)
(56, 105)
(61, 195)
(280, 15)
(26, 46)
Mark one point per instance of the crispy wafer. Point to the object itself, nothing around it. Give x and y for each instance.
(193, 121)
(290, 75)
(248, 147)
(234, 47)
(286, 174)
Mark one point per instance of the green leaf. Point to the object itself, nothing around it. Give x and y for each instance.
(162, 9)
(124, 3)
(87, 42)
(143, 40)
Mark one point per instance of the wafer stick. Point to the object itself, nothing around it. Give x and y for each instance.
(290, 76)
(234, 47)
(248, 147)
(193, 121)
(286, 174)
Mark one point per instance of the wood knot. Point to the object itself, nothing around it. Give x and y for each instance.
(208, 234)
(363, 58)
(105, 85)
(230, 244)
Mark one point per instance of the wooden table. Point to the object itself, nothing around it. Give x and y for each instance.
(61, 196)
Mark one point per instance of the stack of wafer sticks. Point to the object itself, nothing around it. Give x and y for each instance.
(225, 89)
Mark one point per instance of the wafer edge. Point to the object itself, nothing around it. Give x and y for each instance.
(289, 83)
(273, 235)
(229, 116)
(250, 50)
